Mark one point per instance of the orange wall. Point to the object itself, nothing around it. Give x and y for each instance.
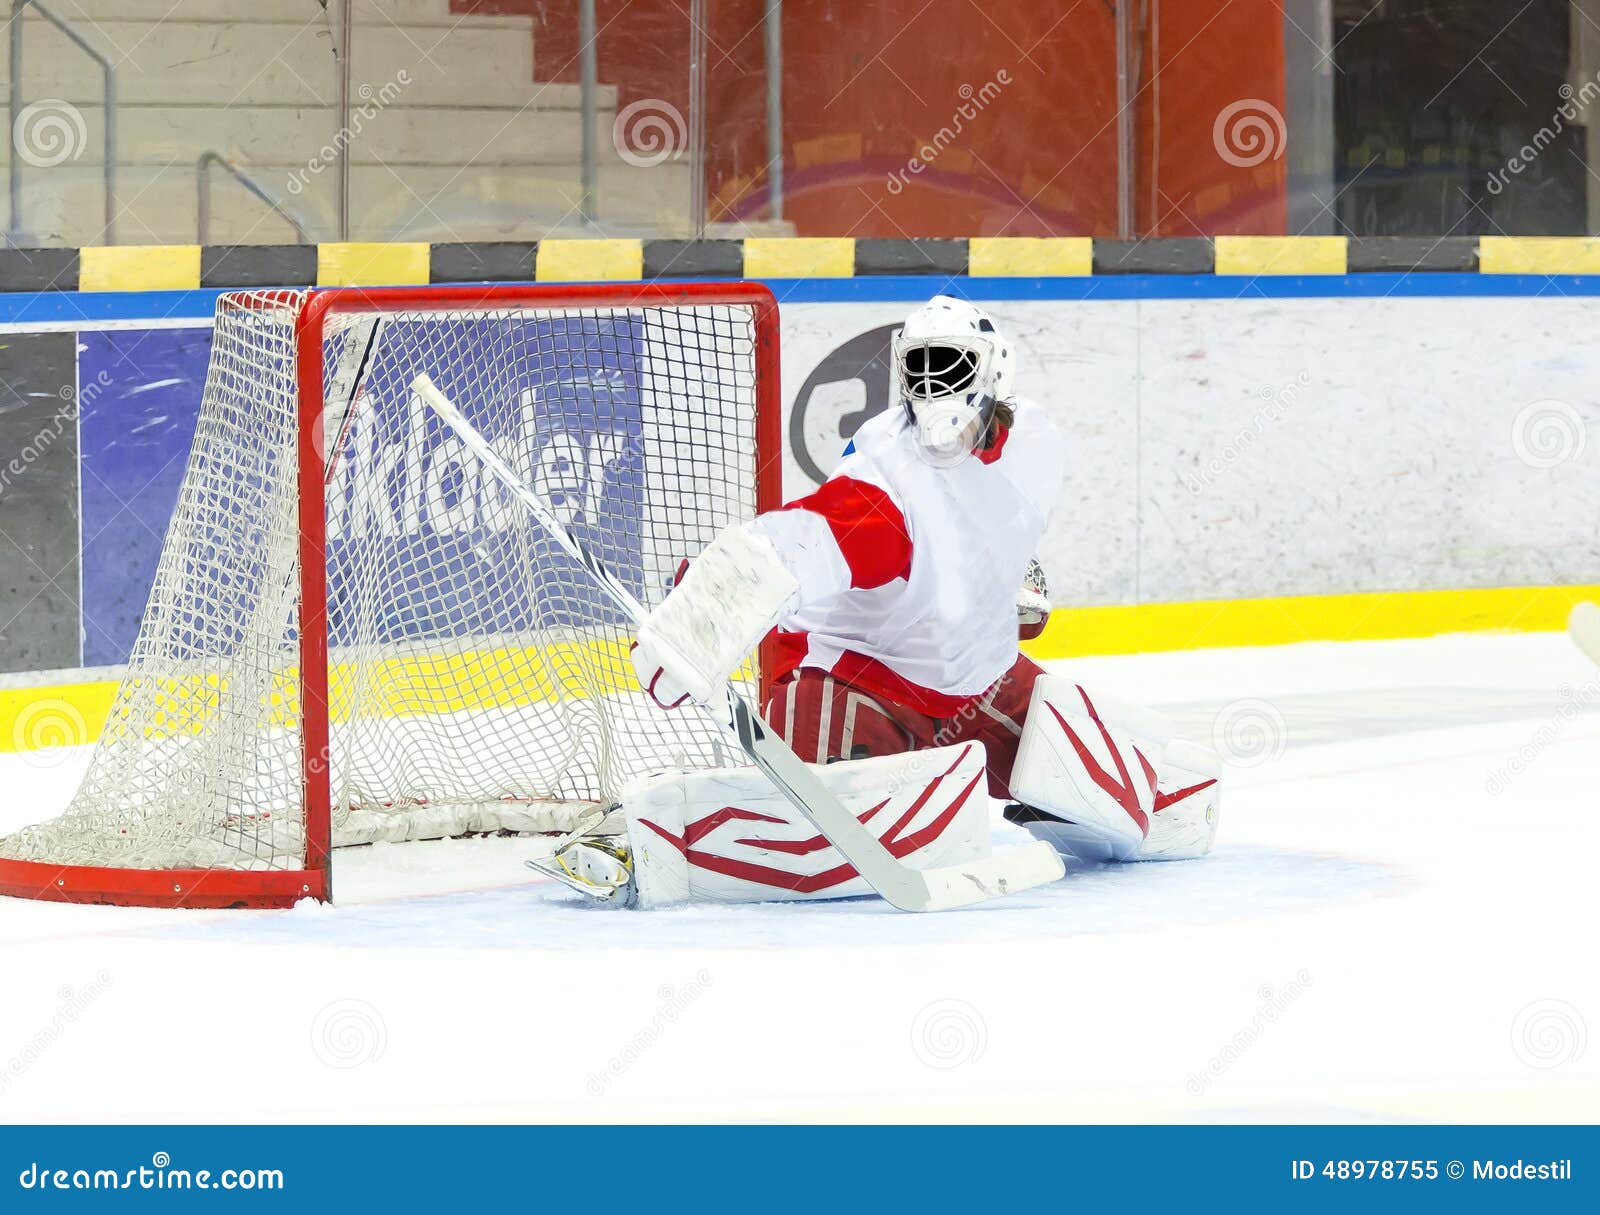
(866, 85)
(1207, 59)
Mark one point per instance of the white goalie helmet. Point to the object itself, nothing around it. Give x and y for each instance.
(952, 367)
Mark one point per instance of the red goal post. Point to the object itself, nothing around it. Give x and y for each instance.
(710, 350)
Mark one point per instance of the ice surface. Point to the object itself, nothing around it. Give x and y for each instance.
(1399, 923)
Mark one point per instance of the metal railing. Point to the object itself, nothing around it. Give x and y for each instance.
(588, 84)
(202, 187)
(774, 70)
(108, 70)
(589, 88)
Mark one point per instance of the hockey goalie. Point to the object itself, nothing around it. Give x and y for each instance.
(891, 594)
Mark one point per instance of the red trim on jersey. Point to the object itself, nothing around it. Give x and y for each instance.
(988, 455)
(866, 525)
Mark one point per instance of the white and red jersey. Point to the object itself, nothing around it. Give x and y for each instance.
(909, 572)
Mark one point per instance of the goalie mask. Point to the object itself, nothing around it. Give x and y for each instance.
(952, 368)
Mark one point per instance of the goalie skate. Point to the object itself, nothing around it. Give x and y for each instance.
(600, 867)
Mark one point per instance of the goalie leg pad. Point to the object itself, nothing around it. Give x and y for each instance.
(1104, 781)
(1188, 803)
(725, 835)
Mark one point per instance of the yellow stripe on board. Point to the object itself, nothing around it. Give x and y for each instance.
(1258, 255)
(511, 677)
(588, 261)
(139, 268)
(64, 715)
(411, 685)
(1030, 256)
(799, 256)
(372, 263)
(1379, 616)
(1538, 255)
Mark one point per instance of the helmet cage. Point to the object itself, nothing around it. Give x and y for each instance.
(947, 390)
(939, 369)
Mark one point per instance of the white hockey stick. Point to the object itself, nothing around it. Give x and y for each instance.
(1585, 629)
(1008, 871)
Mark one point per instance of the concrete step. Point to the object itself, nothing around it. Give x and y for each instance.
(292, 137)
(280, 12)
(285, 64)
(432, 203)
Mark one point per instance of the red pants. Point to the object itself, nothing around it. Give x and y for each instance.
(823, 718)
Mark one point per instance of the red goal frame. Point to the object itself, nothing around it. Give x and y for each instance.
(223, 888)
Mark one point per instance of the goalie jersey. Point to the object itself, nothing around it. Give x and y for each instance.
(908, 571)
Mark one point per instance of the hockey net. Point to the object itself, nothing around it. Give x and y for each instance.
(353, 636)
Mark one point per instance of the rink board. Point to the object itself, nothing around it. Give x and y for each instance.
(1253, 460)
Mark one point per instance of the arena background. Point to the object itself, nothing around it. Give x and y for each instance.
(1305, 281)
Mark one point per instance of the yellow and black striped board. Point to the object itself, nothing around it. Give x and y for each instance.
(178, 267)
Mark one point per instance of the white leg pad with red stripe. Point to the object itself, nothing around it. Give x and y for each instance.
(1109, 782)
(1188, 803)
(725, 835)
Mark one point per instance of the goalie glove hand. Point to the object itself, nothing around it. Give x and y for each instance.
(1033, 603)
(654, 678)
(726, 602)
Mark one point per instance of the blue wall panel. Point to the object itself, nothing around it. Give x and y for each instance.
(141, 393)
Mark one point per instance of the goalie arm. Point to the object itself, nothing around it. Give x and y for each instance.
(728, 599)
(849, 533)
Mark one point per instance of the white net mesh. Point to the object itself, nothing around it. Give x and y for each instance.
(477, 679)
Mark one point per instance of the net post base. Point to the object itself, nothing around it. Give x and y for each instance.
(169, 888)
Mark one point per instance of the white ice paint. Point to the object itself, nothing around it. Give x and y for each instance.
(1371, 940)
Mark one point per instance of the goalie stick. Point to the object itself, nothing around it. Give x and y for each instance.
(1007, 871)
(1585, 629)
